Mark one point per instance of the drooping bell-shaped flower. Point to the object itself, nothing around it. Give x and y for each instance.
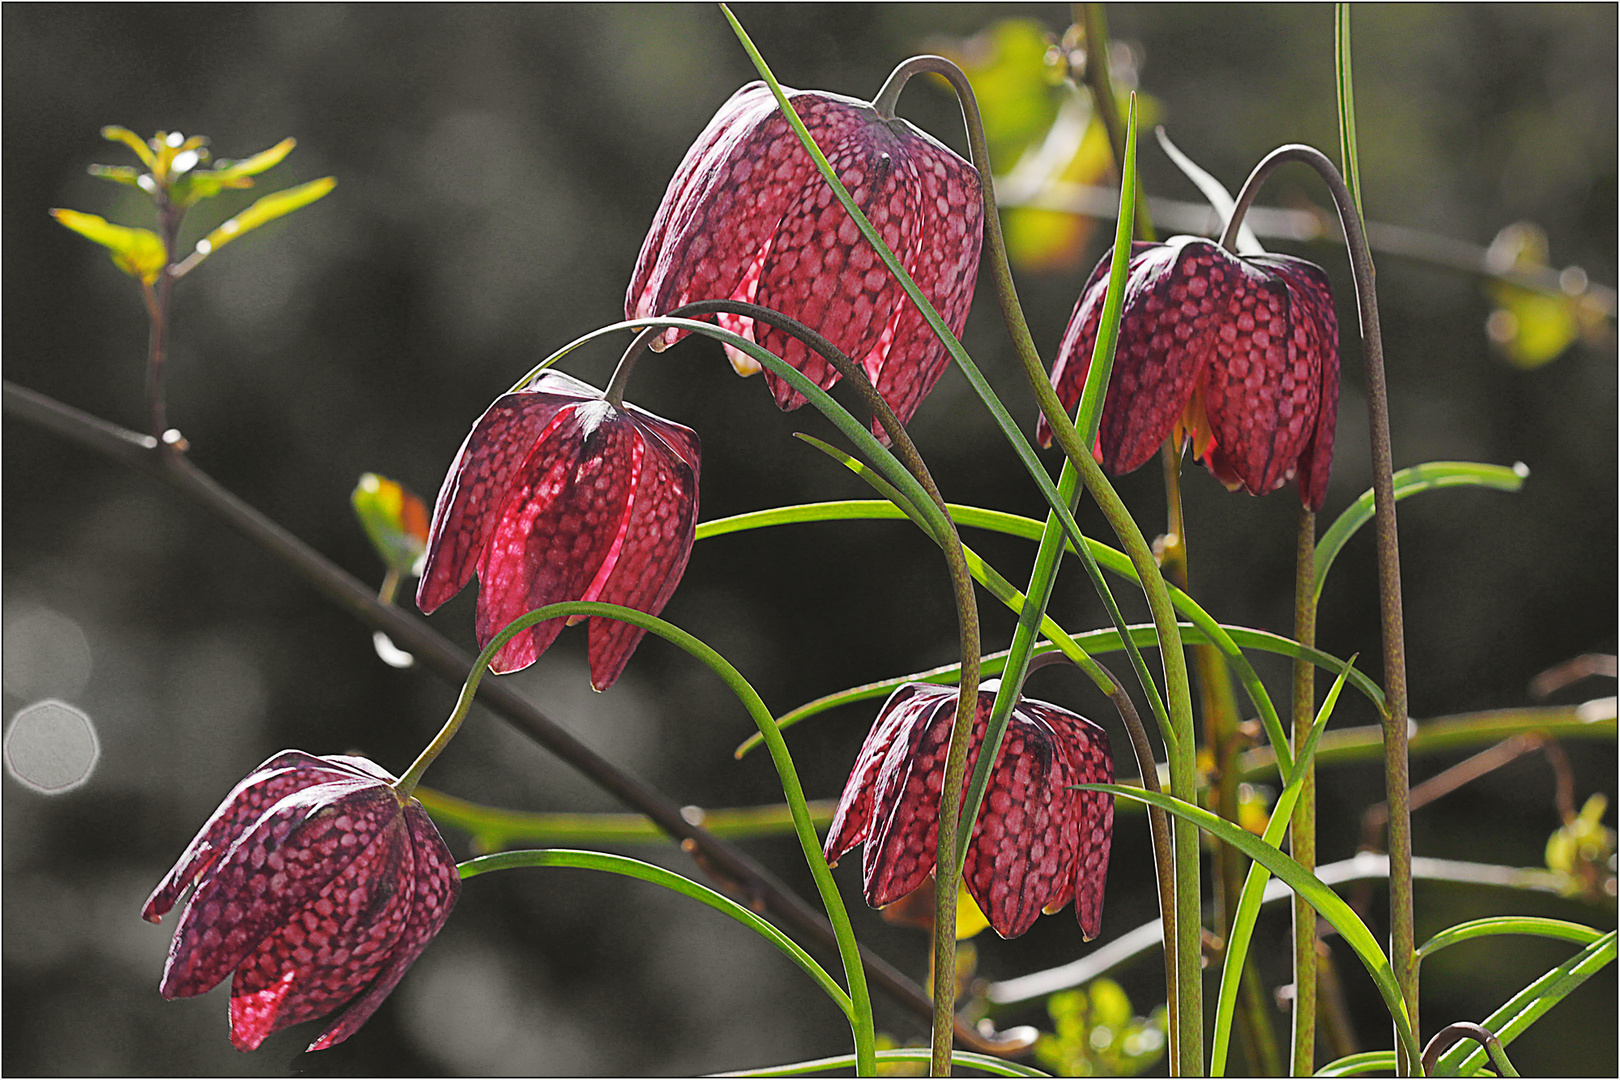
(1239, 353)
(317, 886)
(748, 217)
(556, 495)
(1037, 844)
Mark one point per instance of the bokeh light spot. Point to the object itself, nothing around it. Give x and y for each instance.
(46, 653)
(51, 746)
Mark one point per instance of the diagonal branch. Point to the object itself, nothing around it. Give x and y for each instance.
(728, 866)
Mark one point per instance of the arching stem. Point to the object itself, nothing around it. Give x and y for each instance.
(1396, 766)
(967, 615)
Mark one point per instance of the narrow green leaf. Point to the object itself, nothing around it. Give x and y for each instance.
(1370, 1061)
(1348, 158)
(1254, 886)
(1508, 924)
(493, 828)
(114, 133)
(1107, 558)
(137, 252)
(619, 864)
(970, 371)
(1088, 416)
(1529, 1004)
(1431, 476)
(1326, 902)
(904, 1055)
(266, 209)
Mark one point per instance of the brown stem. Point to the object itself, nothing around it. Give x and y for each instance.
(1302, 829)
(1397, 778)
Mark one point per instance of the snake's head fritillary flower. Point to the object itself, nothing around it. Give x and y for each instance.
(1239, 353)
(317, 886)
(1037, 844)
(558, 495)
(748, 217)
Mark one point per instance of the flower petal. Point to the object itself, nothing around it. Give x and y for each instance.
(435, 886)
(657, 532)
(901, 845)
(1316, 330)
(282, 774)
(327, 953)
(477, 488)
(852, 819)
(271, 872)
(562, 516)
(1023, 844)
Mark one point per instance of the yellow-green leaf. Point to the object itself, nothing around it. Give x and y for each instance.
(118, 174)
(232, 174)
(395, 520)
(114, 133)
(137, 252)
(266, 209)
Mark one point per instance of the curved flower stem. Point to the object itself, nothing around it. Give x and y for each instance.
(1098, 77)
(967, 615)
(1178, 732)
(1302, 830)
(787, 774)
(157, 298)
(1396, 766)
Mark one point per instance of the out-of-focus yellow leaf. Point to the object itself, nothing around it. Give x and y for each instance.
(137, 252)
(114, 133)
(395, 520)
(232, 174)
(1013, 81)
(266, 209)
(118, 174)
(1531, 329)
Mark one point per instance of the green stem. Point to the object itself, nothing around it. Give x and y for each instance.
(1397, 779)
(1099, 80)
(948, 856)
(619, 864)
(787, 774)
(1302, 830)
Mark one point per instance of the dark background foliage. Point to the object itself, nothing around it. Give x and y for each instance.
(497, 168)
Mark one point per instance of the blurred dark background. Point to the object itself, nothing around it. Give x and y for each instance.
(497, 168)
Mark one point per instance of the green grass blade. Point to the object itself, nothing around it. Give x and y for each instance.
(906, 1055)
(1091, 641)
(1430, 476)
(1347, 105)
(493, 828)
(619, 864)
(1370, 1061)
(970, 370)
(1509, 924)
(1107, 558)
(1529, 1004)
(1254, 886)
(1327, 903)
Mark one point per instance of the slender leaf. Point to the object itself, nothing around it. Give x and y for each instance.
(1509, 924)
(619, 864)
(1254, 886)
(1529, 1004)
(1326, 902)
(493, 828)
(1348, 157)
(265, 210)
(114, 133)
(198, 186)
(137, 252)
(911, 1055)
(1370, 1061)
(1430, 476)
(1107, 558)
